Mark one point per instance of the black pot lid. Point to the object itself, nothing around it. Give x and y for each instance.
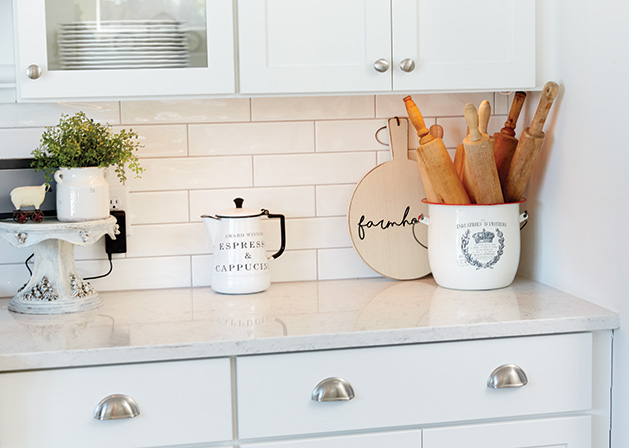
(239, 211)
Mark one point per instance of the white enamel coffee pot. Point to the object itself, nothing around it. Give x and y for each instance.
(241, 264)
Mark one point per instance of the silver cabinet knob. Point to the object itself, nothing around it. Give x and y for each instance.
(407, 65)
(507, 375)
(381, 65)
(333, 389)
(33, 71)
(114, 407)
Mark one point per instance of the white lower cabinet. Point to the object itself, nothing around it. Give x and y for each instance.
(180, 403)
(431, 395)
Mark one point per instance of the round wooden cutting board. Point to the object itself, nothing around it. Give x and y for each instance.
(384, 209)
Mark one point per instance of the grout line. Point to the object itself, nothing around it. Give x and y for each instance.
(188, 205)
(191, 271)
(375, 105)
(187, 139)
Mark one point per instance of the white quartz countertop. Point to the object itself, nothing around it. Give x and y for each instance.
(189, 323)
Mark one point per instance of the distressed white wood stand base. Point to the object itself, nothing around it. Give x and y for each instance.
(55, 287)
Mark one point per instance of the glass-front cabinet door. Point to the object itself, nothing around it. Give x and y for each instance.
(123, 48)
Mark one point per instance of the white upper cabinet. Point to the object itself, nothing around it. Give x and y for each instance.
(463, 44)
(289, 46)
(304, 46)
(123, 48)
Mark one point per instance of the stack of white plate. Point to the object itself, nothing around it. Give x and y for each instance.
(122, 44)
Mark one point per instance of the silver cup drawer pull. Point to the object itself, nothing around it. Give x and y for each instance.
(507, 375)
(117, 406)
(333, 389)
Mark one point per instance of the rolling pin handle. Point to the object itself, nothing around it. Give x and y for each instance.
(484, 112)
(415, 116)
(471, 118)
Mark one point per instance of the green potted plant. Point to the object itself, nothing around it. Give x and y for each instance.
(76, 152)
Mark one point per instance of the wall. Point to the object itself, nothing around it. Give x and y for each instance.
(298, 156)
(576, 241)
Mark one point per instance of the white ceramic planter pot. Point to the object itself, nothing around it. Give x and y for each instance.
(82, 194)
(474, 247)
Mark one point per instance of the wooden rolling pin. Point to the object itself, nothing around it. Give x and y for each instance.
(436, 130)
(420, 127)
(484, 111)
(459, 157)
(529, 147)
(505, 139)
(432, 153)
(480, 173)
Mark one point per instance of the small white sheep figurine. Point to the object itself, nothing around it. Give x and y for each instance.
(29, 196)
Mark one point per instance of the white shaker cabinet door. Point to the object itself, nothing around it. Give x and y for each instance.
(565, 432)
(463, 45)
(305, 46)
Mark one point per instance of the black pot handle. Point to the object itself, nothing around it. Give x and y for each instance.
(282, 231)
(415, 236)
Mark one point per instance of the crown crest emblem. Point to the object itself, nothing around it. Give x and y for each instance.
(483, 237)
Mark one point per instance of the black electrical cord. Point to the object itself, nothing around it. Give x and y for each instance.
(30, 273)
(111, 268)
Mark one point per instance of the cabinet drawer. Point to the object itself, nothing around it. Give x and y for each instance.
(413, 384)
(179, 402)
(399, 439)
(564, 432)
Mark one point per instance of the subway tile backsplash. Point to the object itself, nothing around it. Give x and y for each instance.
(301, 157)
(251, 138)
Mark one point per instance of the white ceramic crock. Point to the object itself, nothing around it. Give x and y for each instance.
(474, 247)
(82, 194)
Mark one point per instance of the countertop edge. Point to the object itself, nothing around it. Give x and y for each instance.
(259, 346)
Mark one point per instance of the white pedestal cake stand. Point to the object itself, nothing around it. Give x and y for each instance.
(55, 287)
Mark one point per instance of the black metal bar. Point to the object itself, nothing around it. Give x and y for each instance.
(15, 164)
